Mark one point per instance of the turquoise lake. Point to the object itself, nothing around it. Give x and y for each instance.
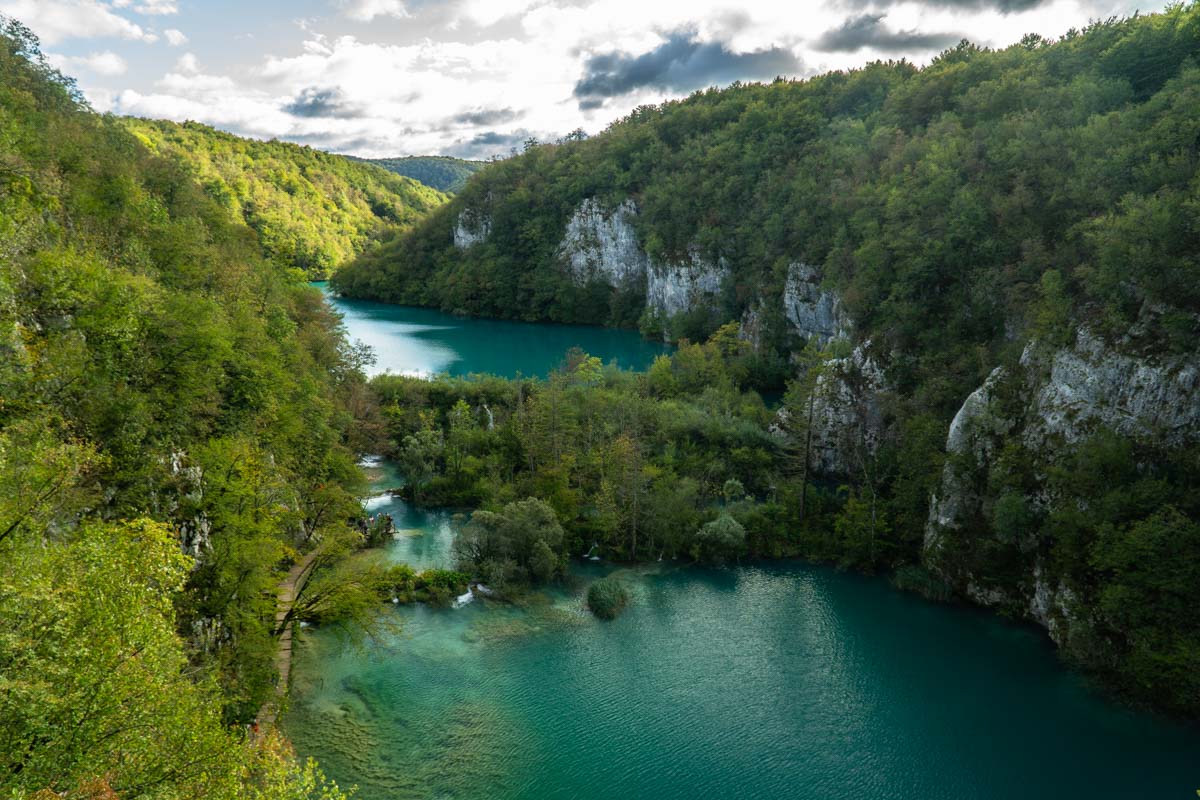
(422, 341)
(765, 680)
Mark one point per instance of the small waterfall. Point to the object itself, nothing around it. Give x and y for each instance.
(491, 419)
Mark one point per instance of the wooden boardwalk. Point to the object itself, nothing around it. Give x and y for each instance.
(288, 590)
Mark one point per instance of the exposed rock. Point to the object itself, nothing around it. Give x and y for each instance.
(1051, 605)
(674, 288)
(751, 327)
(471, 228)
(974, 435)
(601, 245)
(1093, 385)
(195, 531)
(1056, 400)
(814, 313)
(848, 419)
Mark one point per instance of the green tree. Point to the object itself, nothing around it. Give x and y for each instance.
(719, 540)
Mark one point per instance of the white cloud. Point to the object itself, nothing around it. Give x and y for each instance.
(473, 77)
(57, 20)
(187, 63)
(175, 38)
(150, 7)
(106, 63)
(488, 12)
(367, 10)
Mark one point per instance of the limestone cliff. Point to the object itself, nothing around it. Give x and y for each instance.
(471, 228)
(848, 421)
(601, 245)
(675, 288)
(1054, 399)
(814, 312)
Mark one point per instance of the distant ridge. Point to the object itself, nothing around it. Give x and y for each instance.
(443, 173)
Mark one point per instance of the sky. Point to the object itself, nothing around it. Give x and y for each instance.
(475, 78)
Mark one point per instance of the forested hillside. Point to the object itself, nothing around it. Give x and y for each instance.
(312, 211)
(176, 418)
(938, 193)
(441, 172)
(980, 281)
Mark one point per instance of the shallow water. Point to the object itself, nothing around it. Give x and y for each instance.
(763, 681)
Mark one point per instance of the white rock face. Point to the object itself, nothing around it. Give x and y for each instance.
(1052, 605)
(675, 288)
(848, 422)
(1056, 401)
(751, 327)
(814, 313)
(974, 434)
(471, 228)
(1093, 385)
(602, 245)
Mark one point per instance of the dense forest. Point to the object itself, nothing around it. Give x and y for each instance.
(312, 211)
(177, 418)
(969, 215)
(443, 173)
(182, 416)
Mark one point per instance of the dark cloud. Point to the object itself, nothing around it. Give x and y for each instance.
(489, 143)
(314, 102)
(487, 116)
(681, 63)
(868, 30)
(1003, 6)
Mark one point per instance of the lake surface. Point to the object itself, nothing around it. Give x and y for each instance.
(422, 341)
(774, 680)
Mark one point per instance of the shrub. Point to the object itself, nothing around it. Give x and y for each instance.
(607, 598)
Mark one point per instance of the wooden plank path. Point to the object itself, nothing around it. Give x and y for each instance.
(288, 590)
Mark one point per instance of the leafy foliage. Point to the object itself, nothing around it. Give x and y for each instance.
(607, 598)
(959, 210)
(312, 211)
(174, 418)
(443, 173)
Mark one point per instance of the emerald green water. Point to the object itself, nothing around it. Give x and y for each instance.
(422, 341)
(774, 680)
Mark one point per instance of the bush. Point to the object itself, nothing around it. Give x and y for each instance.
(607, 598)
(719, 540)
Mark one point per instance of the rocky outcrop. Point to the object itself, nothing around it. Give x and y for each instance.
(814, 313)
(471, 228)
(977, 431)
(752, 327)
(186, 495)
(1093, 385)
(848, 421)
(675, 288)
(601, 245)
(1055, 400)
